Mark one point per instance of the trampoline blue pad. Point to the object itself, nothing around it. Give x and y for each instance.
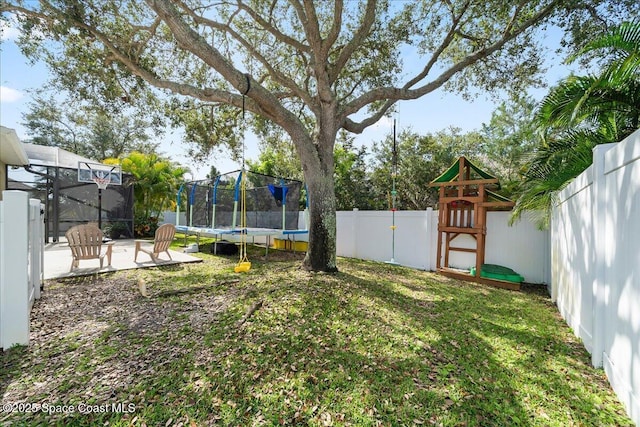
(215, 232)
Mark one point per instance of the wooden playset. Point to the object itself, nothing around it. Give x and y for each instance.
(465, 198)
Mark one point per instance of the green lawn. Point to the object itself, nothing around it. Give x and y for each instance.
(372, 345)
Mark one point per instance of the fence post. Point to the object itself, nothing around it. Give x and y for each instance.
(14, 273)
(36, 246)
(599, 242)
(428, 225)
(354, 233)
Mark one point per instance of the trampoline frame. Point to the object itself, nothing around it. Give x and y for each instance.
(218, 233)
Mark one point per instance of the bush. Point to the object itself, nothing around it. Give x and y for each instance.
(115, 230)
(145, 226)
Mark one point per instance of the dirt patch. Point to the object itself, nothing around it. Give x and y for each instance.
(134, 333)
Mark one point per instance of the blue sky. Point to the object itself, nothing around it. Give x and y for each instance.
(433, 112)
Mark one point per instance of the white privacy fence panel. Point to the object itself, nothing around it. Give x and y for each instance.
(169, 217)
(367, 235)
(596, 264)
(521, 246)
(573, 231)
(619, 288)
(21, 256)
(346, 232)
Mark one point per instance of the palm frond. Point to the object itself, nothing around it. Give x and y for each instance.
(589, 100)
(622, 40)
(552, 167)
(578, 114)
(562, 106)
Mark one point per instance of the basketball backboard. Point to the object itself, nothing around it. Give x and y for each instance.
(99, 173)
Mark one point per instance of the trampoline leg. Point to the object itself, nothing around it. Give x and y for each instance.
(266, 249)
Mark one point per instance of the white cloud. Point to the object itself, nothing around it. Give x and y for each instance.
(9, 95)
(9, 29)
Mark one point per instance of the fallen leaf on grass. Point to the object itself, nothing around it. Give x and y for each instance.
(326, 419)
(142, 287)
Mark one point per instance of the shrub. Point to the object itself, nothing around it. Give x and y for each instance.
(115, 230)
(145, 226)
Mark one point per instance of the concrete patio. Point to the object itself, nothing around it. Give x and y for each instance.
(57, 260)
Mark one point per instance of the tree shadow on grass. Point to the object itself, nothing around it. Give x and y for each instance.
(451, 373)
(361, 347)
(468, 329)
(169, 267)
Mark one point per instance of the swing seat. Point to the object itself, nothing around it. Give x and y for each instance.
(242, 267)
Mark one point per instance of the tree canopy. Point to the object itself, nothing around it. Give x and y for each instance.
(420, 159)
(86, 130)
(307, 68)
(508, 139)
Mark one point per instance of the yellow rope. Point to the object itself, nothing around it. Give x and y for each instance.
(243, 264)
(243, 220)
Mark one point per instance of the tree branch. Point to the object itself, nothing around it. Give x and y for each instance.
(445, 43)
(273, 72)
(395, 94)
(312, 27)
(252, 309)
(264, 103)
(319, 59)
(335, 27)
(516, 12)
(206, 94)
(356, 40)
(359, 127)
(273, 30)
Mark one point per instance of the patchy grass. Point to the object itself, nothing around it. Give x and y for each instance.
(372, 345)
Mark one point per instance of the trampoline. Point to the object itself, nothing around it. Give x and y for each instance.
(213, 207)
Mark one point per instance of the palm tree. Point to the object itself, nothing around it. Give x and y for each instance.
(592, 100)
(156, 181)
(553, 165)
(580, 113)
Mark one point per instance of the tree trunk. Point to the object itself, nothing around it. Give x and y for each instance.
(321, 253)
(318, 167)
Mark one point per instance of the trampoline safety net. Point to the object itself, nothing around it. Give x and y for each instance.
(272, 202)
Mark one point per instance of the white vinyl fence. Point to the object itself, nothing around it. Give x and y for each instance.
(595, 264)
(21, 255)
(367, 235)
(169, 217)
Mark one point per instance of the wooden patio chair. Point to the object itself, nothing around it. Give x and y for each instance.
(163, 238)
(85, 242)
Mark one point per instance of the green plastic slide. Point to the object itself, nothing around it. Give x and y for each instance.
(499, 272)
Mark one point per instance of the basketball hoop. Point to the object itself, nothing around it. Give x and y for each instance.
(103, 176)
(102, 183)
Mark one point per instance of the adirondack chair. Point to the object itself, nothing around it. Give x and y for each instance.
(163, 238)
(85, 242)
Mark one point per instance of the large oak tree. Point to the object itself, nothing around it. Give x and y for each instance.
(310, 68)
